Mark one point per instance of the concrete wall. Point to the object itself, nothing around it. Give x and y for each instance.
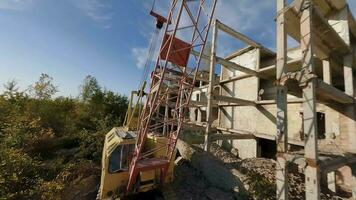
(266, 117)
(242, 118)
(339, 21)
(198, 114)
(347, 128)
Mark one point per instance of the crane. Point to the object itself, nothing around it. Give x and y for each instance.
(173, 57)
(140, 157)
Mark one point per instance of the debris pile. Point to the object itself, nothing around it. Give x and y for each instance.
(260, 176)
(189, 183)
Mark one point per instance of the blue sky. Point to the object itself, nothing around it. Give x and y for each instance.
(69, 39)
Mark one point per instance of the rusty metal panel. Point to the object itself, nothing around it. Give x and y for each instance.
(179, 53)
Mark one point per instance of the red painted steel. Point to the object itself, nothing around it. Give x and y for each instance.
(179, 53)
(158, 17)
(171, 85)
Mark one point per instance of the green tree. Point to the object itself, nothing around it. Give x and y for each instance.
(20, 175)
(115, 107)
(89, 88)
(11, 89)
(40, 137)
(44, 87)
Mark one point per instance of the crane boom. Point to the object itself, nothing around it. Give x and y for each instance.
(171, 84)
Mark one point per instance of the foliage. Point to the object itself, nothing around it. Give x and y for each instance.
(90, 88)
(19, 175)
(11, 89)
(73, 172)
(44, 88)
(51, 190)
(44, 140)
(91, 145)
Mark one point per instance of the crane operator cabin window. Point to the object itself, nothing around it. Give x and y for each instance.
(119, 159)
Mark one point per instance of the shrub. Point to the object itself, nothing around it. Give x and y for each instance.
(91, 145)
(19, 175)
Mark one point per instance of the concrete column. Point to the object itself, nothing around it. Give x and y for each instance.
(210, 93)
(327, 74)
(327, 78)
(258, 63)
(331, 180)
(312, 175)
(350, 116)
(348, 77)
(282, 121)
(282, 144)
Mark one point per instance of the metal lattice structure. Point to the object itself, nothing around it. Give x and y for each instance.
(172, 83)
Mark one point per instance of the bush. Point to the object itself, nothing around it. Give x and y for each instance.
(91, 145)
(20, 130)
(51, 190)
(67, 179)
(42, 139)
(19, 175)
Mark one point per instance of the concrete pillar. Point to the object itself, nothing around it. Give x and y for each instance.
(331, 180)
(282, 121)
(327, 74)
(312, 175)
(258, 65)
(210, 93)
(282, 144)
(348, 77)
(327, 78)
(350, 116)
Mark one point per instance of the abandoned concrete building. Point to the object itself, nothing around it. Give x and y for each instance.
(294, 105)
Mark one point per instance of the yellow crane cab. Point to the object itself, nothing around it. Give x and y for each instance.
(117, 153)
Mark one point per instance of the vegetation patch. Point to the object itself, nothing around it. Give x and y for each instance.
(50, 145)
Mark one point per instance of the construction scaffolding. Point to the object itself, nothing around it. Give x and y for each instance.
(302, 98)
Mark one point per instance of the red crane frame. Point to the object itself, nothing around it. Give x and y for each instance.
(172, 83)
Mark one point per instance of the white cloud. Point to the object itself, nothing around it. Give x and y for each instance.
(139, 55)
(17, 5)
(100, 11)
(244, 14)
(252, 18)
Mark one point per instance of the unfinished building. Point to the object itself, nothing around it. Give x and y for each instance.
(295, 104)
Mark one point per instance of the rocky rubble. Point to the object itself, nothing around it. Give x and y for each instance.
(260, 174)
(190, 184)
(256, 174)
